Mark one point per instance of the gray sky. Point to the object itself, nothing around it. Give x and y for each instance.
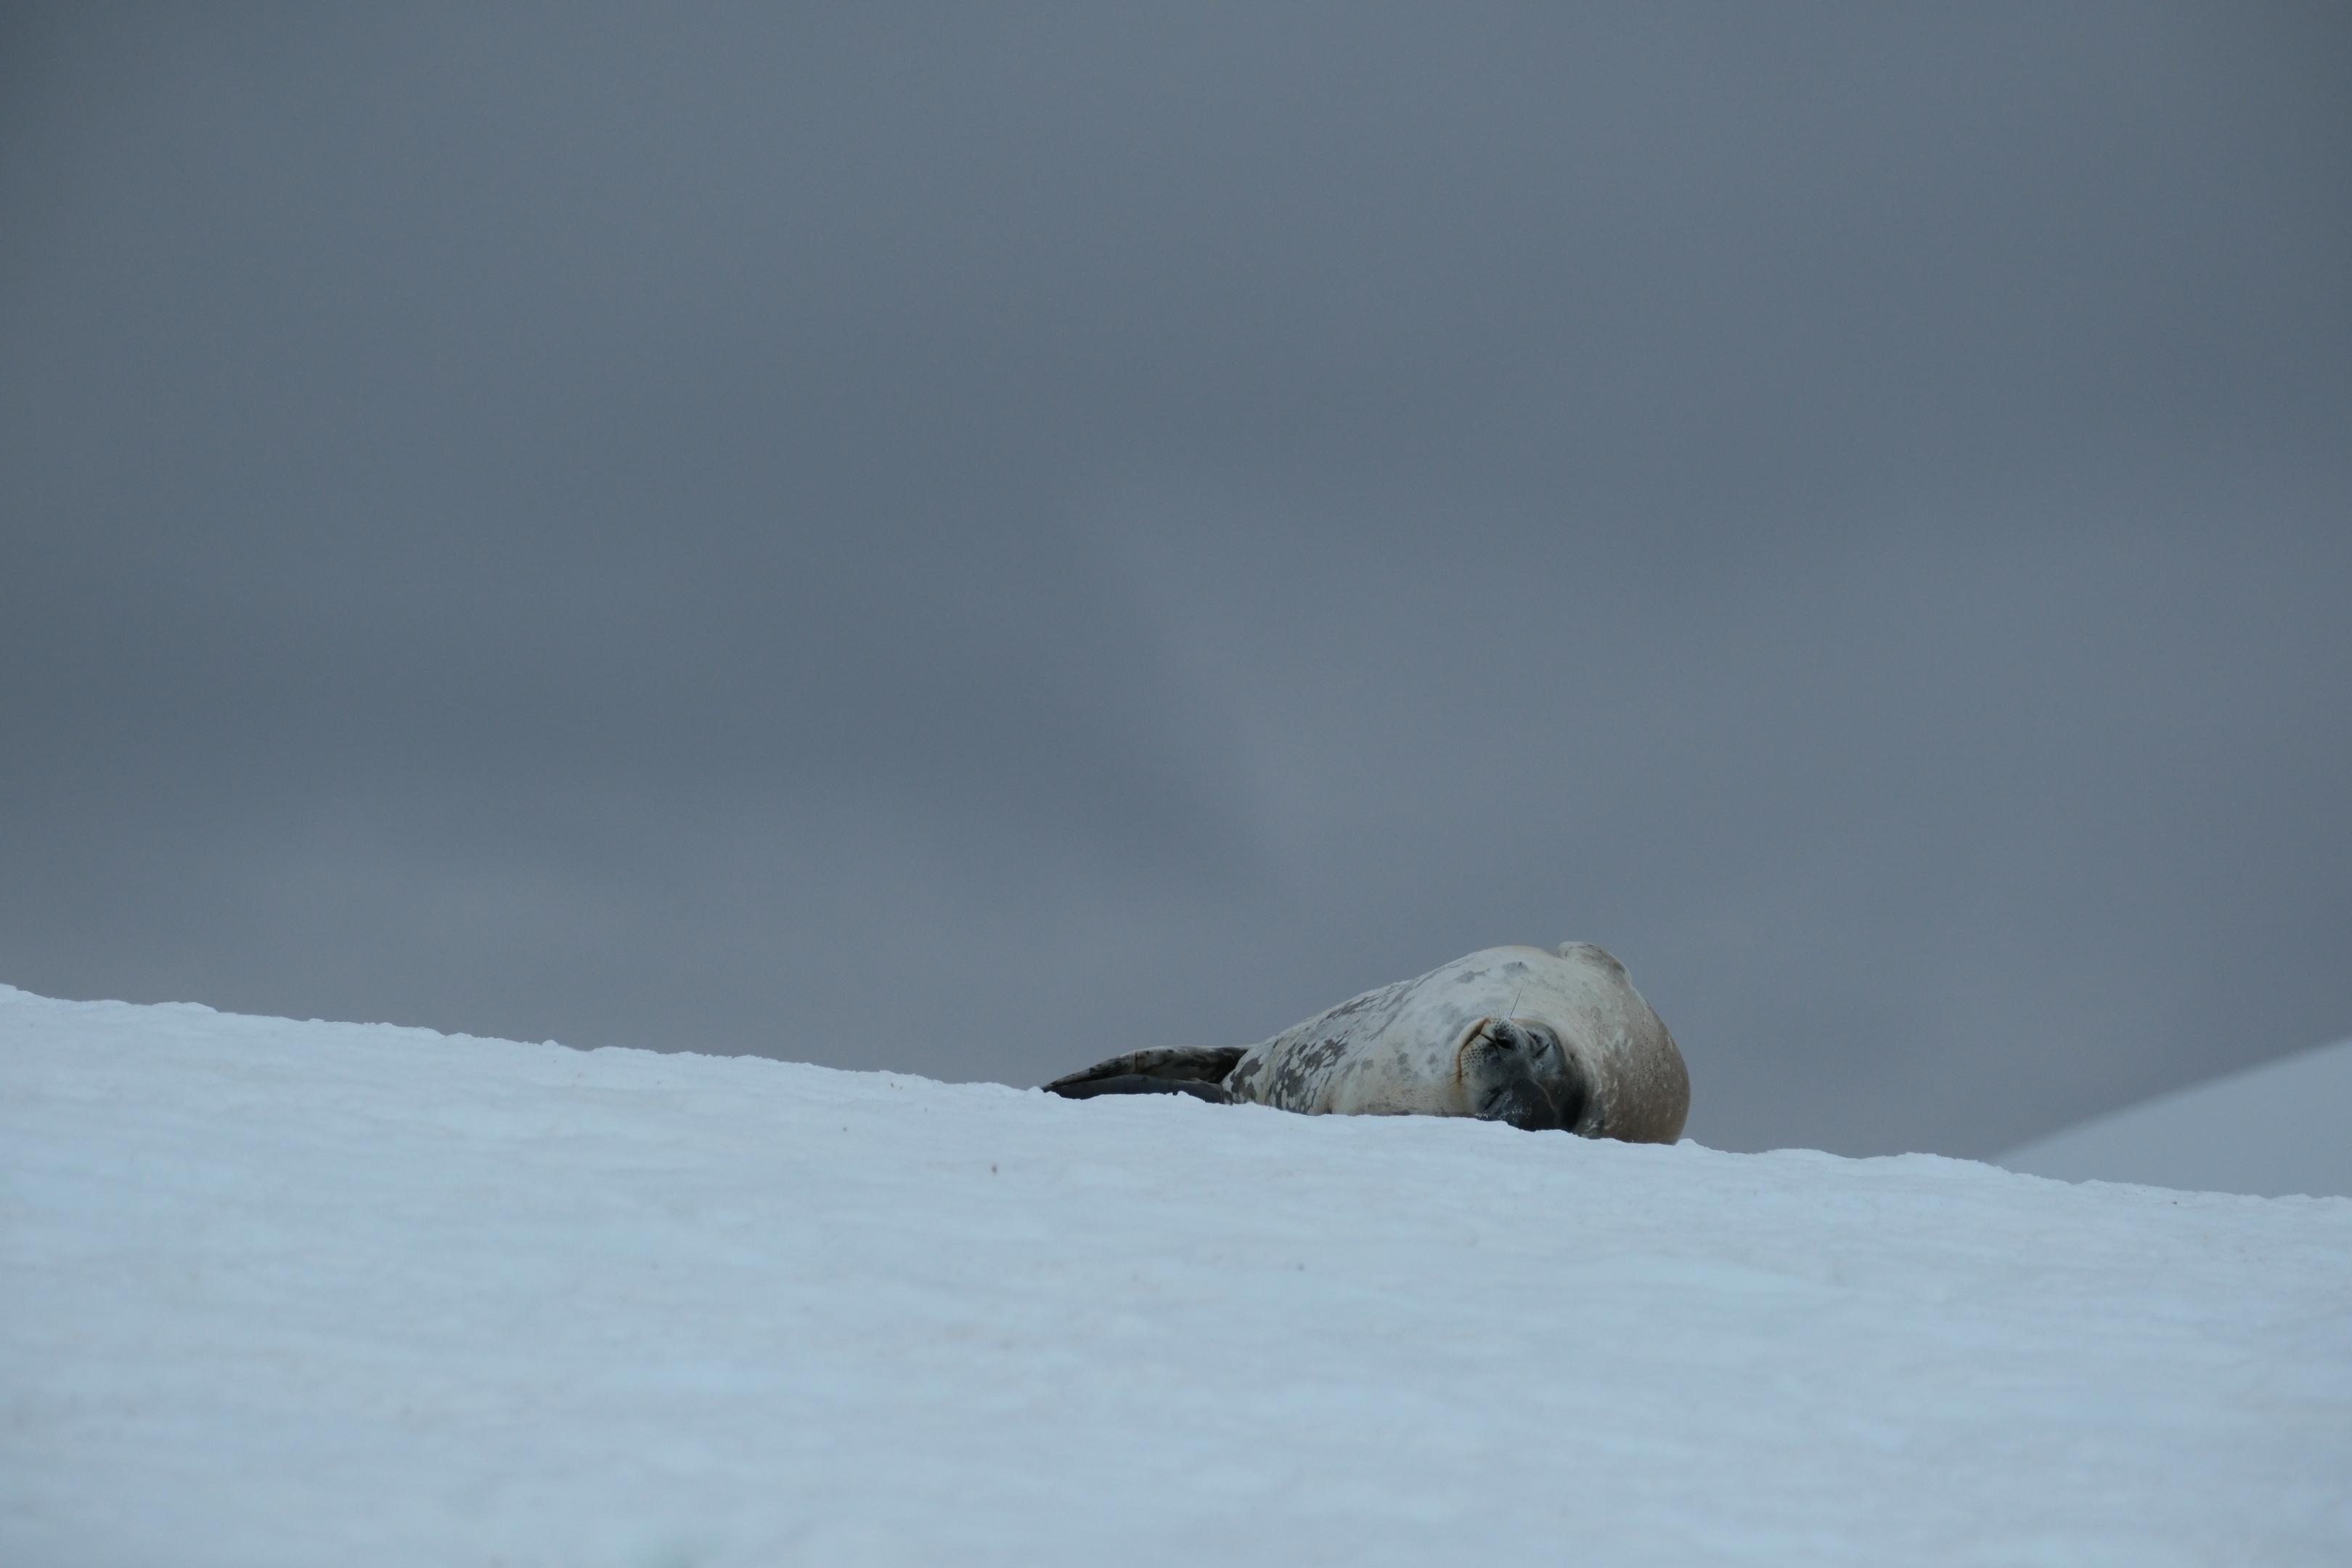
(968, 544)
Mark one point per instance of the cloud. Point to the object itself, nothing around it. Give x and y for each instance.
(965, 547)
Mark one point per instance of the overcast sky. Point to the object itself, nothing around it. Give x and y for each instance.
(966, 544)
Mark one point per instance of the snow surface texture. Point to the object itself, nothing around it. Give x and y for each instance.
(2283, 1128)
(282, 1293)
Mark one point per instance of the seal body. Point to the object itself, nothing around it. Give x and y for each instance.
(1541, 1040)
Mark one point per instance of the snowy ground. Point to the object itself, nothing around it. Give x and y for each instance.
(2282, 1128)
(279, 1293)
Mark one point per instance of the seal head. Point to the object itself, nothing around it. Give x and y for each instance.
(1516, 1070)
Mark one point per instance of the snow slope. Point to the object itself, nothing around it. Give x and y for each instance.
(281, 1293)
(2283, 1128)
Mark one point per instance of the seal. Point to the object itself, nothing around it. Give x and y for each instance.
(1540, 1040)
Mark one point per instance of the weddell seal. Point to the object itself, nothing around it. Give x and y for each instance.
(1538, 1039)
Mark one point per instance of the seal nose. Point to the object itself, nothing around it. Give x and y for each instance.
(1500, 1032)
(1485, 1038)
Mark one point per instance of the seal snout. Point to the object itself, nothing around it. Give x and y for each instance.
(1487, 1040)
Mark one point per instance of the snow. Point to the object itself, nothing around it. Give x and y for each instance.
(288, 1293)
(2274, 1130)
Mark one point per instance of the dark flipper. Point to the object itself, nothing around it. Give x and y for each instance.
(1196, 1070)
(1136, 1083)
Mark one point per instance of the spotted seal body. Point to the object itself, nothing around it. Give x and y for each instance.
(1541, 1040)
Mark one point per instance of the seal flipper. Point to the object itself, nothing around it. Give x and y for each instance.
(1136, 1083)
(1196, 1070)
